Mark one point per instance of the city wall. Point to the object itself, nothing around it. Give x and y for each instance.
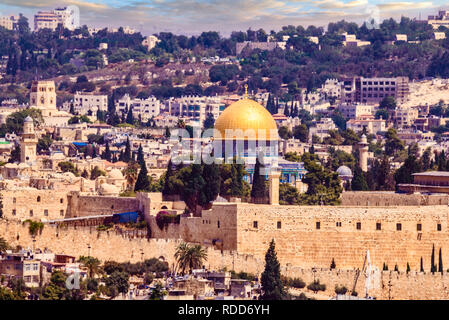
(111, 246)
(312, 236)
(385, 199)
(81, 206)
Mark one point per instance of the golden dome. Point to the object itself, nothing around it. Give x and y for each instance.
(246, 114)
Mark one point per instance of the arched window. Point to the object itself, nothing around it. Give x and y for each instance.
(38, 198)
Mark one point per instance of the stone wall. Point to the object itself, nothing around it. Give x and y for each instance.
(379, 198)
(81, 206)
(30, 203)
(112, 246)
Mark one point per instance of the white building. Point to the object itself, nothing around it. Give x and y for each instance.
(371, 124)
(150, 42)
(51, 19)
(144, 109)
(332, 88)
(85, 102)
(354, 111)
(9, 22)
(196, 108)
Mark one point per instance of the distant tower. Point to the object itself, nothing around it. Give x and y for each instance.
(43, 97)
(28, 142)
(274, 186)
(363, 154)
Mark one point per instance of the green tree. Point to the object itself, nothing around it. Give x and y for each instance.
(358, 181)
(142, 182)
(117, 282)
(301, 132)
(209, 121)
(158, 292)
(272, 286)
(440, 262)
(284, 133)
(3, 245)
(107, 153)
(388, 103)
(324, 186)
(259, 188)
(127, 153)
(288, 194)
(433, 267)
(91, 263)
(393, 144)
(96, 172)
(190, 256)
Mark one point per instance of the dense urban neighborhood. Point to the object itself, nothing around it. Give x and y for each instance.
(330, 174)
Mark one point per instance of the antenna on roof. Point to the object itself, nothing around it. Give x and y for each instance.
(246, 91)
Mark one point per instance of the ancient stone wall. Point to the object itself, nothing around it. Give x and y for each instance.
(385, 199)
(112, 246)
(30, 203)
(81, 206)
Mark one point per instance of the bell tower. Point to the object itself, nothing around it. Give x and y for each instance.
(28, 142)
(43, 97)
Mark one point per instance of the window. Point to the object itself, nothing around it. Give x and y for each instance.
(46, 212)
(61, 200)
(318, 225)
(279, 224)
(398, 226)
(358, 226)
(38, 198)
(13, 200)
(14, 212)
(378, 226)
(218, 224)
(31, 213)
(255, 224)
(439, 227)
(338, 224)
(419, 227)
(35, 266)
(61, 212)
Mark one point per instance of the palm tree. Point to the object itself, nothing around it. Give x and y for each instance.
(91, 263)
(190, 256)
(130, 173)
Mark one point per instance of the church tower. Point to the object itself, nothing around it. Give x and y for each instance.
(43, 97)
(28, 142)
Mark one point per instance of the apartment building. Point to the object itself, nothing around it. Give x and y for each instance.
(373, 90)
(196, 108)
(144, 109)
(18, 265)
(50, 19)
(441, 19)
(371, 125)
(87, 103)
(354, 111)
(9, 22)
(405, 117)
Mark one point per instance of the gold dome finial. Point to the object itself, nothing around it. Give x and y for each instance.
(246, 91)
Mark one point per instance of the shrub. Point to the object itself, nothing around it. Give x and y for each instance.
(35, 227)
(316, 286)
(341, 290)
(103, 227)
(295, 283)
(163, 218)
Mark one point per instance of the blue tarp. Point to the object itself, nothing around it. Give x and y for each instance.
(126, 217)
(79, 144)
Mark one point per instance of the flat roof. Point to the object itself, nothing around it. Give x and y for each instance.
(433, 173)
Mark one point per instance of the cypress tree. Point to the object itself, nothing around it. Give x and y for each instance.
(358, 182)
(167, 189)
(142, 183)
(422, 266)
(259, 189)
(333, 266)
(272, 286)
(440, 262)
(129, 116)
(140, 157)
(107, 153)
(127, 154)
(286, 111)
(408, 267)
(396, 268)
(432, 260)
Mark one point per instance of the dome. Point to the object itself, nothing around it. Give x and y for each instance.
(28, 119)
(344, 171)
(115, 174)
(106, 189)
(246, 114)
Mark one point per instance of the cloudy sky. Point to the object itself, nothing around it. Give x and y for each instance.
(193, 16)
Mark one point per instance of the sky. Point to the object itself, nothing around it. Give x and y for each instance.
(192, 17)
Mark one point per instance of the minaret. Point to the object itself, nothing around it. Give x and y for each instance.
(273, 177)
(363, 154)
(28, 142)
